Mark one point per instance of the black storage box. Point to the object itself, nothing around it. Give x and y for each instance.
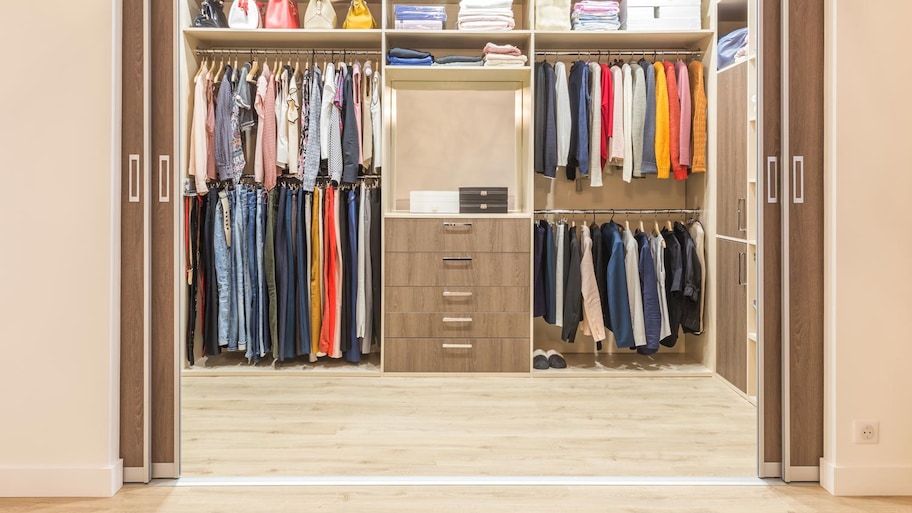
(482, 200)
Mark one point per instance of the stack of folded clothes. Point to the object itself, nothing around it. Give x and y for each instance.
(596, 15)
(420, 17)
(503, 55)
(408, 57)
(459, 60)
(486, 15)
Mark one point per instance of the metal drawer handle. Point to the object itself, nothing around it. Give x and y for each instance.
(447, 293)
(772, 172)
(796, 196)
(457, 259)
(457, 225)
(456, 346)
(457, 319)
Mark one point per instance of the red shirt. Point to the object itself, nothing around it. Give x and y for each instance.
(674, 109)
(607, 104)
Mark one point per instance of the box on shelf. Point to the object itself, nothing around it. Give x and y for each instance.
(482, 200)
(662, 14)
(419, 17)
(434, 202)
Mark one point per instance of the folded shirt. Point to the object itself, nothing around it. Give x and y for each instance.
(492, 26)
(408, 53)
(427, 12)
(460, 64)
(419, 25)
(479, 11)
(458, 59)
(398, 61)
(494, 57)
(505, 64)
(486, 4)
(501, 49)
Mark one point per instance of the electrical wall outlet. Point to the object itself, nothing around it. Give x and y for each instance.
(866, 431)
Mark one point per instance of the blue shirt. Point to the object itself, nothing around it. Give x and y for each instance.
(579, 120)
(652, 312)
(618, 300)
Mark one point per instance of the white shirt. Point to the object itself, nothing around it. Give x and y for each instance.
(293, 122)
(657, 244)
(281, 112)
(326, 106)
(595, 125)
(198, 150)
(628, 123)
(376, 118)
(616, 145)
(562, 113)
(559, 276)
(634, 292)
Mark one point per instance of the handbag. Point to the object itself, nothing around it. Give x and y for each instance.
(212, 15)
(359, 16)
(244, 14)
(281, 14)
(320, 15)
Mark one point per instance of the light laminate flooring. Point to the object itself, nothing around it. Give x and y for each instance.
(465, 426)
(526, 499)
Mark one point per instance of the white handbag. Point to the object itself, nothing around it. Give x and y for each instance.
(244, 14)
(320, 14)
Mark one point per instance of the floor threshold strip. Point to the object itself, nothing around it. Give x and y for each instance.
(466, 481)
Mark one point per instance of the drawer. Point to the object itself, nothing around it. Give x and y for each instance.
(455, 234)
(457, 355)
(457, 325)
(457, 299)
(457, 269)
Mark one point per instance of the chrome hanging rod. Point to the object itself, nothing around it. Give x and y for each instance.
(282, 51)
(622, 211)
(607, 53)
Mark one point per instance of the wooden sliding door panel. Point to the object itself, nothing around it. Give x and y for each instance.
(804, 223)
(133, 292)
(731, 324)
(732, 151)
(163, 205)
(770, 177)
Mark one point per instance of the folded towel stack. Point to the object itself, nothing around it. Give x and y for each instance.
(596, 15)
(408, 57)
(503, 55)
(486, 15)
(420, 17)
(459, 60)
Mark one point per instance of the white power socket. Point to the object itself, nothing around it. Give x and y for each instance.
(866, 431)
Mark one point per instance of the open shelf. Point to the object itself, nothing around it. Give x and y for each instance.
(586, 365)
(470, 40)
(370, 39)
(457, 73)
(622, 39)
(234, 363)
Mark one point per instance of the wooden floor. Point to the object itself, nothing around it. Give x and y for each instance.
(465, 426)
(527, 499)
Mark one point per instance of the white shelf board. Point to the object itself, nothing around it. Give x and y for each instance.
(472, 41)
(418, 215)
(278, 38)
(457, 73)
(552, 40)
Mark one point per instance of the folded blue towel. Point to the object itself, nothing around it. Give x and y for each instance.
(398, 61)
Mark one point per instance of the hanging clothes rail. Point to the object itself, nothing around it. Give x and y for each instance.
(644, 51)
(283, 51)
(623, 211)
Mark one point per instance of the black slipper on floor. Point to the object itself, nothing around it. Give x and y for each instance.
(556, 360)
(539, 360)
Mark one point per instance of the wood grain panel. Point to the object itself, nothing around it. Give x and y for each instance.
(448, 325)
(771, 229)
(732, 150)
(805, 89)
(132, 243)
(162, 241)
(481, 235)
(442, 299)
(731, 318)
(430, 355)
(485, 269)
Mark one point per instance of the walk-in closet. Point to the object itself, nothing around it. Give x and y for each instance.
(479, 238)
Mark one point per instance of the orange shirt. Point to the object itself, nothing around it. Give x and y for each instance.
(698, 95)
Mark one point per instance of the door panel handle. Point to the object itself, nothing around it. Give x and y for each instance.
(456, 346)
(447, 293)
(133, 180)
(457, 225)
(797, 168)
(457, 259)
(742, 259)
(457, 319)
(164, 178)
(772, 175)
(741, 214)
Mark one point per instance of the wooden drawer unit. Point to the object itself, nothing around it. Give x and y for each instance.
(457, 325)
(456, 355)
(478, 235)
(457, 299)
(457, 269)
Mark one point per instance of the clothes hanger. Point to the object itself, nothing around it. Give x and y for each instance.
(642, 229)
(254, 67)
(627, 222)
(656, 227)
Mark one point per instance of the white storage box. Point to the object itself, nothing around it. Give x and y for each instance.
(661, 3)
(434, 202)
(662, 14)
(664, 24)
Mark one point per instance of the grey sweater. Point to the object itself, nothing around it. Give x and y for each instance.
(649, 166)
(639, 118)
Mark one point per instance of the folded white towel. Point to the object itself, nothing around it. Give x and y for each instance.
(485, 25)
(486, 4)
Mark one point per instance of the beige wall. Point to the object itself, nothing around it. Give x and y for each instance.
(869, 350)
(56, 260)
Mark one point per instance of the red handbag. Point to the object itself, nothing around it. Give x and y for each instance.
(281, 14)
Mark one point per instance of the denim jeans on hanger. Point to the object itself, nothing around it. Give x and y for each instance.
(221, 228)
(254, 340)
(259, 250)
(281, 273)
(302, 301)
(353, 345)
(238, 246)
(289, 349)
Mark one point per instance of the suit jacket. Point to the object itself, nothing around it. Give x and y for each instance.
(693, 279)
(674, 285)
(652, 312)
(573, 295)
(618, 301)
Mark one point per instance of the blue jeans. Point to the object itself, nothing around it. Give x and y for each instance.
(238, 252)
(301, 275)
(250, 278)
(223, 270)
(261, 272)
(353, 345)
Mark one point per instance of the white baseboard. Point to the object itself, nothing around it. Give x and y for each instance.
(164, 471)
(802, 474)
(136, 475)
(61, 481)
(855, 481)
(771, 469)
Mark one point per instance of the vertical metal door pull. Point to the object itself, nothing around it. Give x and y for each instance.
(741, 261)
(133, 179)
(741, 213)
(797, 162)
(164, 178)
(772, 174)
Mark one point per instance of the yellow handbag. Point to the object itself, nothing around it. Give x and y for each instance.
(359, 16)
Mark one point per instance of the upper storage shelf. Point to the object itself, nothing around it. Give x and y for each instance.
(425, 40)
(622, 39)
(274, 38)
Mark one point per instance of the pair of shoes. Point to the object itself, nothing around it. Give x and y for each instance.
(550, 360)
